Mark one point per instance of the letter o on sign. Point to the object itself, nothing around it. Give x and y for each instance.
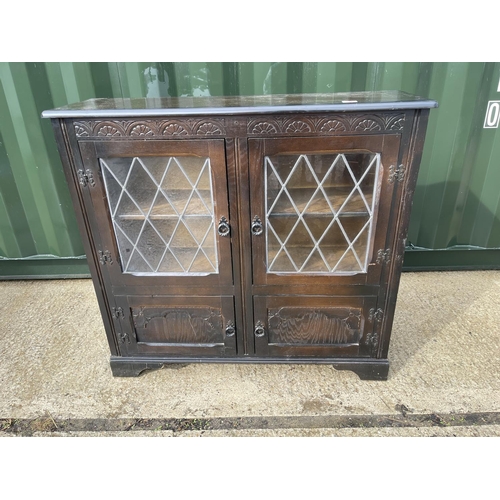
(492, 117)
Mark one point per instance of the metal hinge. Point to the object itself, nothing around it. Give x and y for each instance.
(383, 256)
(396, 173)
(117, 312)
(86, 178)
(372, 339)
(123, 338)
(105, 257)
(375, 315)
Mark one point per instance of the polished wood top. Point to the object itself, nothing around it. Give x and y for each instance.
(238, 105)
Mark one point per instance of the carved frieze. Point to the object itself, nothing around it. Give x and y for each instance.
(142, 129)
(331, 124)
(326, 125)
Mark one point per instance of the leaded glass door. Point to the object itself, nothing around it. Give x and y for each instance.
(320, 208)
(162, 211)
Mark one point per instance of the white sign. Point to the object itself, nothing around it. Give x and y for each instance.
(492, 117)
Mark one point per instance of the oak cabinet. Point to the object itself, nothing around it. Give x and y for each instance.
(248, 229)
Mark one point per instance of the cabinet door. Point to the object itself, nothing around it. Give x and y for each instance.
(311, 326)
(162, 211)
(176, 326)
(321, 208)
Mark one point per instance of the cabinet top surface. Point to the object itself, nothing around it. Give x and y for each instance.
(238, 105)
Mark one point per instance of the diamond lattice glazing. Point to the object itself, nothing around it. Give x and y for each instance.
(163, 214)
(319, 210)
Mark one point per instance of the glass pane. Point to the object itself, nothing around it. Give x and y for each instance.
(163, 214)
(319, 211)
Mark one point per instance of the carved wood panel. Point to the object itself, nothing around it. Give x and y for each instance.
(149, 129)
(293, 325)
(181, 325)
(332, 124)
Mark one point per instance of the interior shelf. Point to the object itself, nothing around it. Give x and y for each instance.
(163, 217)
(179, 202)
(315, 263)
(319, 205)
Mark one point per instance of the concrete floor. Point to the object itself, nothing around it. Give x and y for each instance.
(444, 378)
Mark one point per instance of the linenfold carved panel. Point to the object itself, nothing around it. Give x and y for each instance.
(295, 325)
(142, 129)
(326, 125)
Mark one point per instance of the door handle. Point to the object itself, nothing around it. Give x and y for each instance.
(257, 226)
(259, 330)
(223, 229)
(230, 329)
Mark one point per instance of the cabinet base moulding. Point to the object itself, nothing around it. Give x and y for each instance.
(366, 369)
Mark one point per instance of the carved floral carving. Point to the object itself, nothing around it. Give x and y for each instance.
(142, 130)
(108, 130)
(396, 123)
(298, 127)
(81, 131)
(270, 125)
(368, 125)
(333, 126)
(264, 128)
(138, 129)
(327, 125)
(208, 128)
(174, 129)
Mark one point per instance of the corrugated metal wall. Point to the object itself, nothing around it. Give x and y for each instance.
(457, 202)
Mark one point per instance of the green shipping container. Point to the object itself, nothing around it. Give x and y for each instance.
(455, 220)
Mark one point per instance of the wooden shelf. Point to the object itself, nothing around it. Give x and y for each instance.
(162, 217)
(319, 206)
(169, 264)
(315, 264)
(162, 208)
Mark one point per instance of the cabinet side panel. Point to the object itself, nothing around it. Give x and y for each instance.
(406, 187)
(66, 148)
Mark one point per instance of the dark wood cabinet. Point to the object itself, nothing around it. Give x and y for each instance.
(249, 229)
